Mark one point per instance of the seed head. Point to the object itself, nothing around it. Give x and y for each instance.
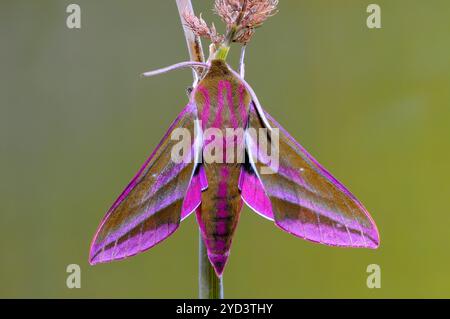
(241, 18)
(245, 13)
(201, 28)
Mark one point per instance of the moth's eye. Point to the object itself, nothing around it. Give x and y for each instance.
(189, 90)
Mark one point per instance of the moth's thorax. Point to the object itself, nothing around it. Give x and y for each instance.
(218, 69)
(222, 100)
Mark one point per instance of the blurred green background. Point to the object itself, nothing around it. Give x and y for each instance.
(77, 121)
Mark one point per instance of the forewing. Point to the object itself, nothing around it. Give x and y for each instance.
(307, 201)
(151, 206)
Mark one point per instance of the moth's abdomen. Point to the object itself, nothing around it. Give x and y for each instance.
(220, 210)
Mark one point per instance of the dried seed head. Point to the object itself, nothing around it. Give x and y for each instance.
(245, 15)
(228, 10)
(250, 13)
(197, 25)
(215, 37)
(258, 11)
(201, 28)
(241, 17)
(244, 36)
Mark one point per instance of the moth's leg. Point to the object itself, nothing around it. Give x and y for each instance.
(242, 62)
(189, 91)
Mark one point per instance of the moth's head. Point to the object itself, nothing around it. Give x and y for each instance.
(241, 18)
(219, 68)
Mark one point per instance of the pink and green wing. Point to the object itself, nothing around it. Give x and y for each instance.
(150, 208)
(302, 197)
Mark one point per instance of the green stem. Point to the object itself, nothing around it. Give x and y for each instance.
(222, 52)
(210, 285)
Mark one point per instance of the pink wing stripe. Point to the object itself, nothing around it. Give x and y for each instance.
(253, 194)
(234, 122)
(194, 193)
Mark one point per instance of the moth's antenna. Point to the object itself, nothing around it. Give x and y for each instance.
(242, 62)
(258, 106)
(182, 65)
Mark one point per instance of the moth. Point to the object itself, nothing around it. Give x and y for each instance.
(298, 195)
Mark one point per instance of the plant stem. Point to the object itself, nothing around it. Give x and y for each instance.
(193, 42)
(210, 285)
